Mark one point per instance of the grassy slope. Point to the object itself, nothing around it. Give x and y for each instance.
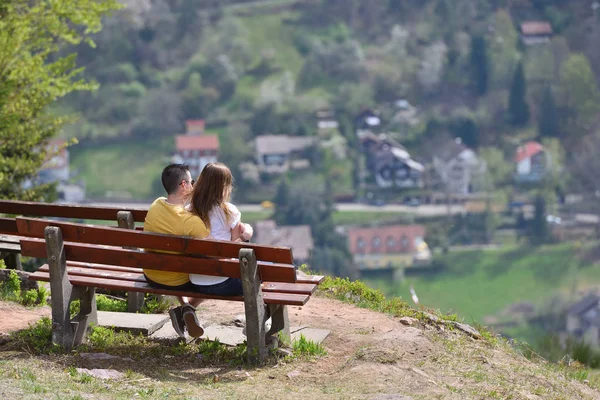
(130, 166)
(480, 283)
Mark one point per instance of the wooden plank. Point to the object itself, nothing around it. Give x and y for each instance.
(316, 279)
(10, 247)
(83, 233)
(299, 288)
(159, 261)
(300, 277)
(268, 297)
(8, 225)
(68, 210)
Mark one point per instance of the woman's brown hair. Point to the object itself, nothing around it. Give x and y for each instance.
(212, 189)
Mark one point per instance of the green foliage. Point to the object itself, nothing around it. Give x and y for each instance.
(548, 124)
(104, 303)
(307, 348)
(2, 264)
(579, 91)
(10, 289)
(156, 304)
(37, 337)
(518, 109)
(34, 73)
(479, 63)
(540, 232)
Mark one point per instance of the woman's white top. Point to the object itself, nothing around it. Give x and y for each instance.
(220, 229)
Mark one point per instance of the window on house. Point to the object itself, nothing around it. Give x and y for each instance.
(404, 242)
(361, 244)
(391, 242)
(376, 242)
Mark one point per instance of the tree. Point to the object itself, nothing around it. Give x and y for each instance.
(480, 68)
(518, 109)
(548, 117)
(579, 91)
(282, 202)
(539, 225)
(35, 71)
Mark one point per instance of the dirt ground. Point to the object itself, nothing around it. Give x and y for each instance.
(370, 355)
(14, 317)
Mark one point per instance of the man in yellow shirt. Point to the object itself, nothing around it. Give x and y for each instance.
(168, 215)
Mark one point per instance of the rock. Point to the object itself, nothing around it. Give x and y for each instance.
(4, 338)
(216, 379)
(282, 352)
(102, 373)
(431, 318)
(468, 329)
(408, 321)
(295, 373)
(239, 320)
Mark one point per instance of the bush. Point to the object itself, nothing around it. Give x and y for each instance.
(38, 336)
(305, 347)
(10, 289)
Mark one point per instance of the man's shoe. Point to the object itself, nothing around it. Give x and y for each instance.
(191, 321)
(176, 315)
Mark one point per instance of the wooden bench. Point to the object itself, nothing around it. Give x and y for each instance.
(82, 258)
(10, 249)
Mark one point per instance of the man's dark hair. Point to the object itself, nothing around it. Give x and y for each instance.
(172, 176)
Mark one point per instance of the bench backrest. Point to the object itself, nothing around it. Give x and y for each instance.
(75, 211)
(103, 245)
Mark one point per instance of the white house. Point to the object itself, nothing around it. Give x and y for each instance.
(278, 153)
(532, 162)
(458, 167)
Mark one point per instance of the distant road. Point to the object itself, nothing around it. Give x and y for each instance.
(428, 210)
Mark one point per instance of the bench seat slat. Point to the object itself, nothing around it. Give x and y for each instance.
(299, 288)
(75, 211)
(159, 261)
(268, 297)
(109, 236)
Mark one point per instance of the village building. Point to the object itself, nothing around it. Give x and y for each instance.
(195, 148)
(388, 247)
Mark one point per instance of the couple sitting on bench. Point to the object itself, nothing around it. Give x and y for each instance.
(202, 211)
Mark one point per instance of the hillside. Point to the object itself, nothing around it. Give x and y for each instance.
(369, 355)
(265, 67)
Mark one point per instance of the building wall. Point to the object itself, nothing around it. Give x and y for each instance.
(382, 261)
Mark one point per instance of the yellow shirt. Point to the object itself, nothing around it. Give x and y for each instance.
(172, 219)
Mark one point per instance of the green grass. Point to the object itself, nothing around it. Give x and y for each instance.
(130, 167)
(367, 217)
(270, 32)
(480, 283)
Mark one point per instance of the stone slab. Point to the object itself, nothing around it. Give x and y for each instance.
(146, 324)
(312, 334)
(229, 335)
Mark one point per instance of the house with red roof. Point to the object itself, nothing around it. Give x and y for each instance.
(388, 247)
(195, 148)
(532, 162)
(535, 32)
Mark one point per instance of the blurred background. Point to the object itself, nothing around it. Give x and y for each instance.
(450, 145)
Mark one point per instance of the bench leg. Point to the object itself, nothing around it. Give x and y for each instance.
(279, 322)
(254, 307)
(135, 300)
(88, 313)
(13, 261)
(60, 288)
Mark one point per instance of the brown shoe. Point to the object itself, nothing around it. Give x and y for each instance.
(191, 321)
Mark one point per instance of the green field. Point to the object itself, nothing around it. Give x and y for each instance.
(131, 168)
(480, 283)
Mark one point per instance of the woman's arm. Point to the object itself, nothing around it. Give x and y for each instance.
(241, 232)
